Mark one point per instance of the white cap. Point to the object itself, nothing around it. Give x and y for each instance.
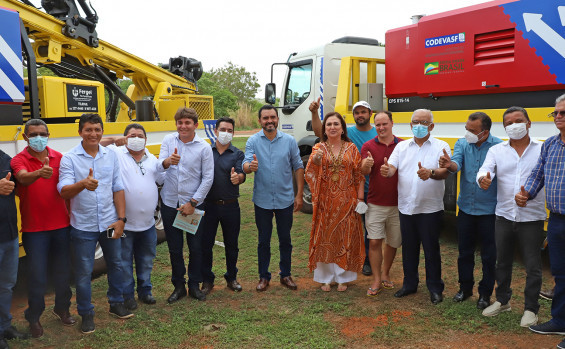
(362, 104)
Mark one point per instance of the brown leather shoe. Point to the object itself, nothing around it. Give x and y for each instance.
(36, 329)
(65, 317)
(262, 285)
(206, 287)
(234, 286)
(287, 281)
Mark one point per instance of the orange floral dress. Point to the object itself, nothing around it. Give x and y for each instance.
(337, 231)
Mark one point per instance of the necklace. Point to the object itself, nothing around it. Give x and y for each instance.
(335, 161)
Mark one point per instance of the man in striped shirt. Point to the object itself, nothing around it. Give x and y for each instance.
(550, 171)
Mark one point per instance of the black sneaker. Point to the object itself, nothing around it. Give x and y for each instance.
(130, 304)
(561, 345)
(87, 325)
(367, 271)
(3, 343)
(119, 310)
(548, 328)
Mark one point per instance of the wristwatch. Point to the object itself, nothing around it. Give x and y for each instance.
(193, 203)
(432, 173)
(123, 219)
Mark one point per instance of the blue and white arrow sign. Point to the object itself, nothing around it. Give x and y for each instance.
(11, 70)
(543, 24)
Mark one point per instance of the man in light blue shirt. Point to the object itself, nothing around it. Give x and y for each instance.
(188, 163)
(476, 208)
(274, 157)
(96, 213)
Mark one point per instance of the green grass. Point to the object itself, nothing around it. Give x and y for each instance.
(307, 318)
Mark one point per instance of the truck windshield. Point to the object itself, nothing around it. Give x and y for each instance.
(298, 86)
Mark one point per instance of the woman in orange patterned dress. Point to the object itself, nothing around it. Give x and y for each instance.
(334, 176)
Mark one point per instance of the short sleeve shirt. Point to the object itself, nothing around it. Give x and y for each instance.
(383, 191)
(41, 206)
(359, 138)
(8, 211)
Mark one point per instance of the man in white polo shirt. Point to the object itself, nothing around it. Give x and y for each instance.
(139, 170)
(420, 202)
(512, 162)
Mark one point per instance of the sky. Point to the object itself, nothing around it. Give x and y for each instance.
(249, 33)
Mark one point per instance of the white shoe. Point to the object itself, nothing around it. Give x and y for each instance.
(529, 319)
(496, 308)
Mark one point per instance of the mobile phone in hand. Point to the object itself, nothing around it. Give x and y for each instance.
(109, 233)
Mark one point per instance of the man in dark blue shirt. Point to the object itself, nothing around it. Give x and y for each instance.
(9, 250)
(221, 206)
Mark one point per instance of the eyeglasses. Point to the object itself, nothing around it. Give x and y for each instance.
(141, 168)
(554, 114)
(425, 123)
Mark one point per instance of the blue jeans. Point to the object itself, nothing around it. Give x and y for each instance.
(421, 229)
(175, 243)
(470, 229)
(9, 254)
(43, 249)
(142, 246)
(556, 244)
(84, 244)
(529, 236)
(229, 217)
(264, 222)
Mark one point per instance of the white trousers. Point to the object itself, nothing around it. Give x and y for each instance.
(327, 273)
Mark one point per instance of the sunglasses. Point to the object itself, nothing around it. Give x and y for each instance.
(555, 113)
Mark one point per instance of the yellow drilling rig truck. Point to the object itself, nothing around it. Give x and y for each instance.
(86, 71)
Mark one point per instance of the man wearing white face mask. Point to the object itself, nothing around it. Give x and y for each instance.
(139, 171)
(420, 203)
(511, 162)
(222, 207)
(475, 220)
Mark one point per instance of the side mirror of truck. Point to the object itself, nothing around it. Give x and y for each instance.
(270, 93)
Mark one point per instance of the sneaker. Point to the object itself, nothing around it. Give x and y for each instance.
(547, 294)
(561, 345)
(87, 325)
(496, 308)
(130, 304)
(548, 328)
(120, 311)
(529, 319)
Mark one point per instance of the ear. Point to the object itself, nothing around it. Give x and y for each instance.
(431, 127)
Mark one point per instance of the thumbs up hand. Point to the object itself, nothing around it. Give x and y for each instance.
(234, 177)
(423, 172)
(385, 169)
(46, 171)
(485, 181)
(318, 156)
(254, 165)
(367, 162)
(445, 160)
(522, 197)
(6, 185)
(90, 183)
(175, 157)
(315, 105)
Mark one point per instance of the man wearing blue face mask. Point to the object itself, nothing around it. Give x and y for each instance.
(222, 207)
(475, 220)
(511, 162)
(45, 225)
(420, 202)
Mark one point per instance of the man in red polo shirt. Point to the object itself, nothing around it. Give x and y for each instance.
(381, 219)
(45, 225)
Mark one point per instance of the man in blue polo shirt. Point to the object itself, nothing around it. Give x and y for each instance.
(476, 208)
(274, 157)
(89, 176)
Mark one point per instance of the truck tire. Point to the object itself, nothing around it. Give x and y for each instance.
(307, 196)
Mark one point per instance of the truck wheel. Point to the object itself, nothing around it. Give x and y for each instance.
(99, 262)
(307, 196)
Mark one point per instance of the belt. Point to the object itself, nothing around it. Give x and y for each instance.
(221, 202)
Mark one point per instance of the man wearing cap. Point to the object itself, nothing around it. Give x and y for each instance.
(362, 132)
(45, 225)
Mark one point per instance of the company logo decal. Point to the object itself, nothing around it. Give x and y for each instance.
(445, 40)
(431, 68)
